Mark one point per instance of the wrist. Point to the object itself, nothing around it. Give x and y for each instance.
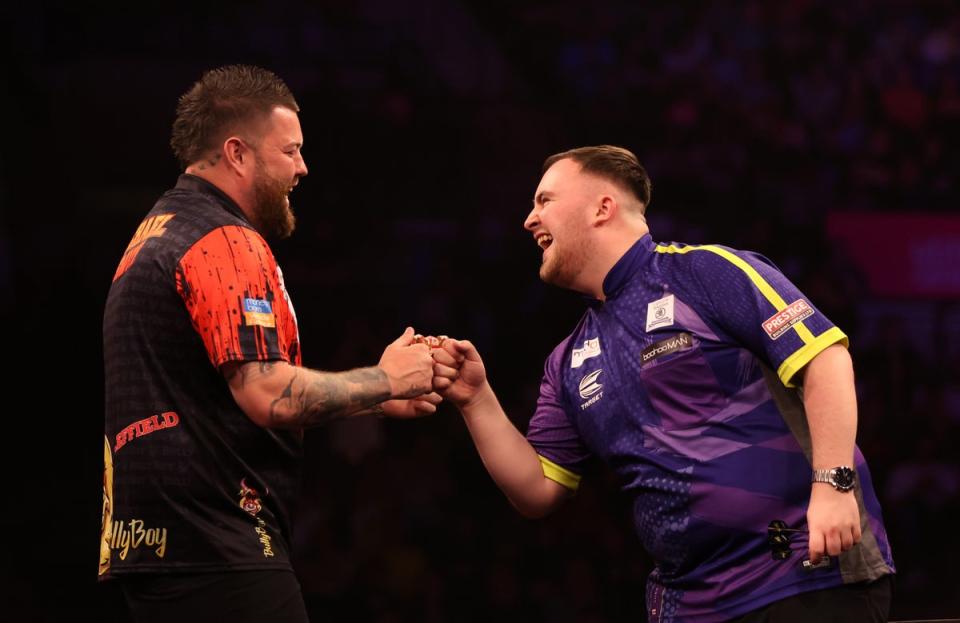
(843, 478)
(481, 402)
(392, 387)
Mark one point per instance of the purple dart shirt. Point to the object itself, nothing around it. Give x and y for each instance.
(682, 382)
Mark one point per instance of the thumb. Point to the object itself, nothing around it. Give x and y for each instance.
(465, 348)
(406, 339)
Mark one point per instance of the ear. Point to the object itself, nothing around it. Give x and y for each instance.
(238, 155)
(604, 211)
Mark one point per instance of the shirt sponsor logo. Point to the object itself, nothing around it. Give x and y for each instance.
(106, 520)
(590, 389)
(258, 312)
(249, 498)
(264, 538)
(660, 313)
(146, 426)
(779, 323)
(589, 385)
(591, 348)
(133, 534)
(250, 502)
(150, 228)
(680, 341)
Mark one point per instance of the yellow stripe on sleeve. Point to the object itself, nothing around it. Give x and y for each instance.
(765, 288)
(559, 474)
(795, 362)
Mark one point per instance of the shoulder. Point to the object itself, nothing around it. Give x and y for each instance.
(234, 246)
(714, 263)
(554, 361)
(199, 209)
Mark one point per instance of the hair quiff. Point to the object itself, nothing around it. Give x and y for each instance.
(616, 164)
(222, 102)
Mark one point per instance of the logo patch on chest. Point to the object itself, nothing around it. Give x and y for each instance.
(660, 313)
(589, 385)
(590, 389)
(591, 348)
(680, 341)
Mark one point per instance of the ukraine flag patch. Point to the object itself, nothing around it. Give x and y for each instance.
(258, 312)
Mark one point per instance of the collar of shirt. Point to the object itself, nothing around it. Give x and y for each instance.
(626, 267)
(186, 181)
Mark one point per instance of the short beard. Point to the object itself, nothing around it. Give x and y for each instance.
(273, 215)
(565, 267)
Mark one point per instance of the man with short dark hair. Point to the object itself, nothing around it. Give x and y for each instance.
(206, 397)
(717, 392)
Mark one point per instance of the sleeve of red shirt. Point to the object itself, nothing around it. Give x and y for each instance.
(231, 287)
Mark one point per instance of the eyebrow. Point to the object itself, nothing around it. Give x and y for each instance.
(538, 198)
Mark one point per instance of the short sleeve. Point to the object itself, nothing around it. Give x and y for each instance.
(758, 306)
(232, 289)
(552, 434)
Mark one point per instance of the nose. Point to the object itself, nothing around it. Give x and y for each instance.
(301, 166)
(532, 220)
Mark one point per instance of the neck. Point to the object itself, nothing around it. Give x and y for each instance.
(610, 248)
(229, 184)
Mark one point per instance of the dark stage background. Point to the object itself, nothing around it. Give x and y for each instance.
(821, 134)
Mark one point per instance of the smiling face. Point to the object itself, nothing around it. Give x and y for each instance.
(279, 166)
(559, 222)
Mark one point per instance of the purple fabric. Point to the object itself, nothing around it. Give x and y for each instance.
(665, 382)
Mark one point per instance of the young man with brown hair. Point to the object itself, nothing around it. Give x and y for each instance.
(717, 392)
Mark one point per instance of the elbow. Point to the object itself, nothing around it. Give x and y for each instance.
(265, 414)
(256, 407)
(532, 511)
(538, 496)
(264, 411)
(538, 507)
(255, 390)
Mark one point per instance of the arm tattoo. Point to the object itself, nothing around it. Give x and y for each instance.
(250, 371)
(312, 398)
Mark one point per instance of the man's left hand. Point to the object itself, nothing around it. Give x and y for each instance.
(833, 519)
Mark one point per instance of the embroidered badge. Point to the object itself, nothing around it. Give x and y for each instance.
(660, 313)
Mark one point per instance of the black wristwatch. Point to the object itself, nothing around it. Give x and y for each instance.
(842, 478)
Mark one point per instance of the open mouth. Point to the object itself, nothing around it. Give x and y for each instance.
(544, 241)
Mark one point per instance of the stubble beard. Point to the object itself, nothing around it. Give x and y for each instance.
(565, 264)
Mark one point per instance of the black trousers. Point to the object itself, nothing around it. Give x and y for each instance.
(866, 602)
(231, 597)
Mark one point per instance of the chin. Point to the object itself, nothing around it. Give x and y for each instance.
(550, 277)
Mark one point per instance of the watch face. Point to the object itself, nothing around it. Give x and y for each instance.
(843, 478)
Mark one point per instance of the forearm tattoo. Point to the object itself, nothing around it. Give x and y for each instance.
(312, 398)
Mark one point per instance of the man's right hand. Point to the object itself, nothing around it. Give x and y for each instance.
(408, 366)
(459, 375)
